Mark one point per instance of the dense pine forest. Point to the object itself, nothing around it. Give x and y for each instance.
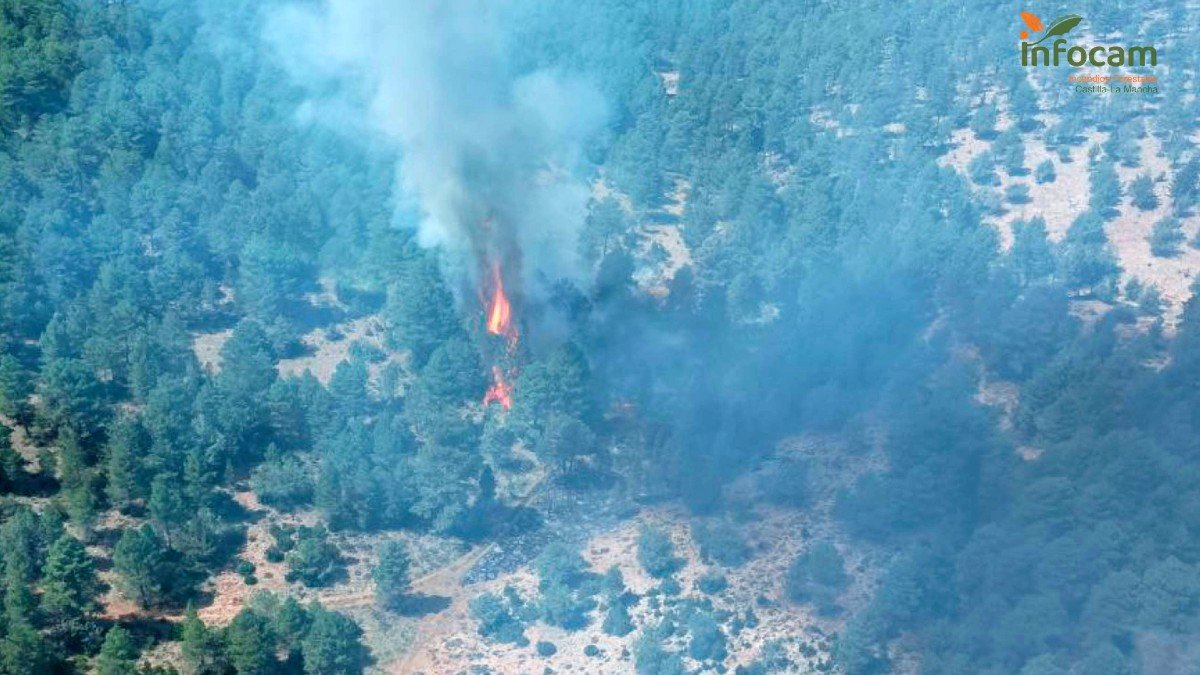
(336, 334)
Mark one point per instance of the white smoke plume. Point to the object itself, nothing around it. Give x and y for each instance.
(489, 157)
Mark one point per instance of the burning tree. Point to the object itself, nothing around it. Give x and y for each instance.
(499, 323)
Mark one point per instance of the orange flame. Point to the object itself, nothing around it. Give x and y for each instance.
(500, 391)
(499, 317)
(499, 322)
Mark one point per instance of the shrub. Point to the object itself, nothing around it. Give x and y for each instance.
(1085, 257)
(712, 583)
(983, 121)
(559, 564)
(721, 541)
(708, 642)
(282, 482)
(284, 536)
(1150, 301)
(390, 574)
(773, 659)
(565, 607)
(499, 617)
(1166, 237)
(1011, 150)
(367, 352)
(1017, 193)
(546, 648)
(1044, 173)
(655, 553)
(591, 651)
(817, 576)
(652, 659)
(982, 170)
(1106, 188)
(616, 620)
(245, 568)
(314, 561)
(1141, 193)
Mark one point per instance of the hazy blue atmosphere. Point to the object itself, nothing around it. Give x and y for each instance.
(618, 336)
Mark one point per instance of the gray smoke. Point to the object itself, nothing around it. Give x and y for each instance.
(489, 157)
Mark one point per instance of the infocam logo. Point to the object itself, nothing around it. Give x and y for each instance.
(1036, 55)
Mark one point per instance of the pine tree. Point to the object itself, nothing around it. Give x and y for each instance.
(290, 623)
(140, 560)
(391, 574)
(249, 644)
(167, 508)
(11, 463)
(24, 650)
(333, 645)
(69, 583)
(616, 619)
(1141, 193)
(14, 388)
(420, 310)
(127, 444)
(314, 560)
(1106, 188)
(199, 646)
(118, 655)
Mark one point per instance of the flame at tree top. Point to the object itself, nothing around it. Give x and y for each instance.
(499, 316)
(498, 321)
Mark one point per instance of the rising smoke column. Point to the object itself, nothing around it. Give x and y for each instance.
(488, 156)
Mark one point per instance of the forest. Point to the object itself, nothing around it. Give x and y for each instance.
(646, 336)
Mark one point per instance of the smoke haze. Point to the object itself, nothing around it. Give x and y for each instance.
(489, 157)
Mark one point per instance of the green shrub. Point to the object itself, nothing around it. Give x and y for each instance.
(546, 648)
(314, 561)
(712, 583)
(670, 586)
(817, 576)
(391, 574)
(655, 553)
(1017, 193)
(367, 352)
(245, 569)
(284, 536)
(1166, 238)
(722, 542)
(616, 618)
(708, 642)
(1044, 173)
(282, 482)
(499, 617)
(1141, 193)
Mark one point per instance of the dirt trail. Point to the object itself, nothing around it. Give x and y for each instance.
(446, 582)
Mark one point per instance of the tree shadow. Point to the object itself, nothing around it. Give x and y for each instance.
(146, 629)
(225, 507)
(510, 521)
(416, 605)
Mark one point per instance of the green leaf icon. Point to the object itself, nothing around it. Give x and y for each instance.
(1061, 26)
